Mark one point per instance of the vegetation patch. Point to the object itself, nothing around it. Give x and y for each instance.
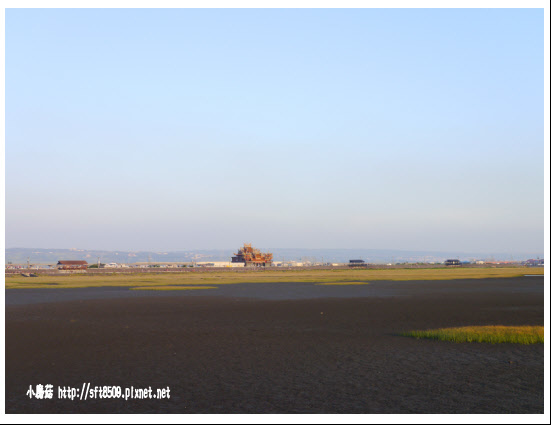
(489, 334)
(170, 288)
(342, 283)
(269, 275)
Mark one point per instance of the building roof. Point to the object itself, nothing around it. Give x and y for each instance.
(72, 263)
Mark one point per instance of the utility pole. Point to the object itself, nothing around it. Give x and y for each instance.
(28, 262)
(98, 263)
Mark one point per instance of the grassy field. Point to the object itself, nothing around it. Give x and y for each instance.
(327, 277)
(489, 334)
(171, 288)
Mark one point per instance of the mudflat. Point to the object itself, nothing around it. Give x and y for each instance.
(232, 354)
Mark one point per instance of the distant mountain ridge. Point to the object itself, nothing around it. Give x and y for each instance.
(52, 256)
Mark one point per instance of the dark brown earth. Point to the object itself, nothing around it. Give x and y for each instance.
(230, 355)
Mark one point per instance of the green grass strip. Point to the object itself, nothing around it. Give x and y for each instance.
(488, 334)
(170, 288)
(270, 275)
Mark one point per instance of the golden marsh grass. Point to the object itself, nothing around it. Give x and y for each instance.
(489, 334)
(354, 276)
(171, 288)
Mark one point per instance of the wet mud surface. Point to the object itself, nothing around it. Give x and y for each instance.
(281, 349)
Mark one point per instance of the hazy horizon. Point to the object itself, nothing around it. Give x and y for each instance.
(150, 129)
(480, 254)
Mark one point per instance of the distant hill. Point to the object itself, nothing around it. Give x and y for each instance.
(52, 256)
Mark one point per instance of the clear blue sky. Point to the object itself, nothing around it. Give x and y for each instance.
(179, 129)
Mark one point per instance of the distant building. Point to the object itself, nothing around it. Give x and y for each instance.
(218, 264)
(357, 263)
(250, 256)
(453, 262)
(534, 263)
(72, 265)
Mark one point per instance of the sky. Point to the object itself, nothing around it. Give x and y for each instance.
(173, 129)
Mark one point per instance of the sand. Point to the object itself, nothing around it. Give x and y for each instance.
(228, 354)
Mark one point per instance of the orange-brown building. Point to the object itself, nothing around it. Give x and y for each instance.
(72, 265)
(252, 257)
